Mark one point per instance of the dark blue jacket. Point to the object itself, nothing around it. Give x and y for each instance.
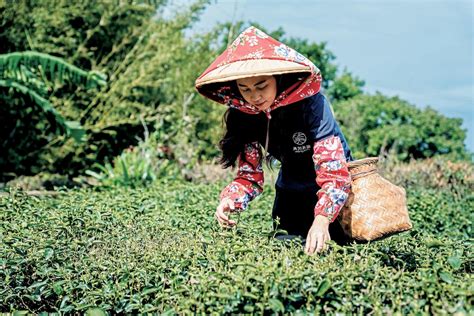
(293, 131)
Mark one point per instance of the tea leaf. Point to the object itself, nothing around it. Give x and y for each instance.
(455, 262)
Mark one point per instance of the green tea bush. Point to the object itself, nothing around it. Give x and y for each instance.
(159, 249)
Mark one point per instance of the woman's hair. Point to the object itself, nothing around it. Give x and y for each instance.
(242, 128)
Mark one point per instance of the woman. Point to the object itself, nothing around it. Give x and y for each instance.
(274, 100)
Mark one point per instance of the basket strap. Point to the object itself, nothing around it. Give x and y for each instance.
(363, 174)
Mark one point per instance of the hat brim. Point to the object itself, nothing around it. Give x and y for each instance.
(250, 68)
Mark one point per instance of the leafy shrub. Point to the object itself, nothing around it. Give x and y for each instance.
(41, 182)
(27, 79)
(137, 165)
(376, 125)
(159, 249)
(432, 173)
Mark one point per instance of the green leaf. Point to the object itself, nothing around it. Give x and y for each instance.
(124, 170)
(76, 131)
(324, 286)
(432, 243)
(57, 288)
(446, 277)
(48, 253)
(95, 312)
(94, 174)
(38, 284)
(54, 67)
(276, 305)
(150, 290)
(455, 262)
(249, 308)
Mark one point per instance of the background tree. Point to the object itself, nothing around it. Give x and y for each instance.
(27, 79)
(345, 86)
(377, 124)
(149, 62)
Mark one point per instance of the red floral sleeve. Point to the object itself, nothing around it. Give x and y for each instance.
(332, 176)
(249, 181)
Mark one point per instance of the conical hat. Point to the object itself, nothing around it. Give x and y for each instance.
(255, 53)
(250, 68)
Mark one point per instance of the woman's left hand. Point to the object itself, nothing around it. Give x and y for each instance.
(317, 235)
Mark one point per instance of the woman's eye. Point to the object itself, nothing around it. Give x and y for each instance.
(261, 88)
(245, 90)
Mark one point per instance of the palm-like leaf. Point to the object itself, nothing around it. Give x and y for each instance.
(17, 71)
(54, 68)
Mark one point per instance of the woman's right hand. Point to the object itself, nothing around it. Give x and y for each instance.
(225, 206)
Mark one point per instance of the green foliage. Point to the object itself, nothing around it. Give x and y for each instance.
(136, 166)
(20, 65)
(375, 125)
(28, 118)
(151, 68)
(35, 74)
(429, 207)
(431, 173)
(344, 87)
(56, 120)
(159, 249)
(151, 65)
(85, 32)
(318, 54)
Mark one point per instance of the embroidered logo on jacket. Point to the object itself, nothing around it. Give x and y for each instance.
(300, 139)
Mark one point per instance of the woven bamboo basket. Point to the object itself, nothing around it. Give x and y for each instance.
(375, 206)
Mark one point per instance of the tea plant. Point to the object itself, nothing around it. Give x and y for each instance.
(159, 249)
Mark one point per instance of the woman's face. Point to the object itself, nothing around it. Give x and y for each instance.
(258, 91)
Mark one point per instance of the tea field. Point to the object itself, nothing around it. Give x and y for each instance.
(159, 249)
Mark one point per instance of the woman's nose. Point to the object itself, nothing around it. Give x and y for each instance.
(255, 97)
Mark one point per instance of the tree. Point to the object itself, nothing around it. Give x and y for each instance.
(27, 79)
(344, 87)
(377, 124)
(149, 63)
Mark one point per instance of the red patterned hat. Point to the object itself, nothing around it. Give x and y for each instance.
(255, 53)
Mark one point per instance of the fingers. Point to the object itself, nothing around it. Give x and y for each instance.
(224, 220)
(313, 243)
(231, 204)
(226, 205)
(316, 242)
(309, 244)
(320, 244)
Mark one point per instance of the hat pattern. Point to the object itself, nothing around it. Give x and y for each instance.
(253, 44)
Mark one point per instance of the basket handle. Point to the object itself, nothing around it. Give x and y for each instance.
(362, 174)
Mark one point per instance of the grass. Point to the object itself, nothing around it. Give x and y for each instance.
(159, 249)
